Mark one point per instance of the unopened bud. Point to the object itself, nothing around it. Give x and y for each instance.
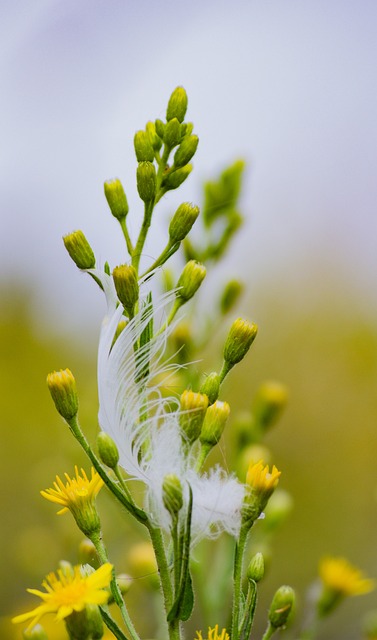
(255, 570)
(174, 179)
(182, 221)
(62, 386)
(172, 133)
(146, 181)
(230, 295)
(88, 553)
(172, 494)
(281, 607)
(155, 139)
(190, 280)
(107, 450)
(143, 147)
(126, 285)
(116, 198)
(36, 633)
(193, 409)
(241, 335)
(186, 150)
(177, 105)
(124, 582)
(268, 404)
(214, 423)
(211, 387)
(79, 249)
(160, 128)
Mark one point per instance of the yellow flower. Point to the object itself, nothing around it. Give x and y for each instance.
(260, 479)
(213, 634)
(338, 575)
(67, 591)
(78, 496)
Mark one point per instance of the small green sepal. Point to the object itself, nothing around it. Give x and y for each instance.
(186, 150)
(146, 181)
(190, 280)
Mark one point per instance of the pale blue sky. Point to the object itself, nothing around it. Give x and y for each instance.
(289, 85)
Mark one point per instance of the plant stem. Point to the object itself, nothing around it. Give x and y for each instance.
(117, 595)
(138, 513)
(269, 632)
(136, 254)
(163, 569)
(237, 577)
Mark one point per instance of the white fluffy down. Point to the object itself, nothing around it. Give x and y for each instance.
(152, 448)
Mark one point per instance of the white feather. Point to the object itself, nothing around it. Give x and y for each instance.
(151, 448)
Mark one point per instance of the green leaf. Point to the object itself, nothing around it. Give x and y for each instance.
(187, 603)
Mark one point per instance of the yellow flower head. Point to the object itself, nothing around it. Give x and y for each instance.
(260, 478)
(67, 591)
(213, 634)
(78, 496)
(338, 575)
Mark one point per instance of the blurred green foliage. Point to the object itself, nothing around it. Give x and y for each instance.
(324, 350)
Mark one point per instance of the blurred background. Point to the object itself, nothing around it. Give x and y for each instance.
(291, 88)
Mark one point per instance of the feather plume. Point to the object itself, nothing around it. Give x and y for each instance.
(145, 425)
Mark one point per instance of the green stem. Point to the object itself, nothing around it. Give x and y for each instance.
(225, 370)
(237, 577)
(138, 513)
(136, 254)
(117, 595)
(127, 238)
(163, 569)
(203, 453)
(169, 250)
(269, 632)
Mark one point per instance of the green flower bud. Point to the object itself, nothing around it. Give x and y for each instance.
(211, 387)
(160, 128)
(146, 181)
(116, 198)
(268, 404)
(281, 607)
(370, 625)
(186, 150)
(124, 583)
(193, 409)
(107, 450)
(187, 128)
(88, 553)
(36, 633)
(80, 250)
(230, 295)
(127, 286)
(155, 139)
(214, 423)
(177, 105)
(190, 280)
(182, 221)
(174, 179)
(172, 133)
(143, 147)
(255, 570)
(241, 335)
(62, 386)
(172, 494)
(278, 509)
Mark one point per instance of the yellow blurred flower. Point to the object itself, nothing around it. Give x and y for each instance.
(339, 575)
(213, 634)
(67, 591)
